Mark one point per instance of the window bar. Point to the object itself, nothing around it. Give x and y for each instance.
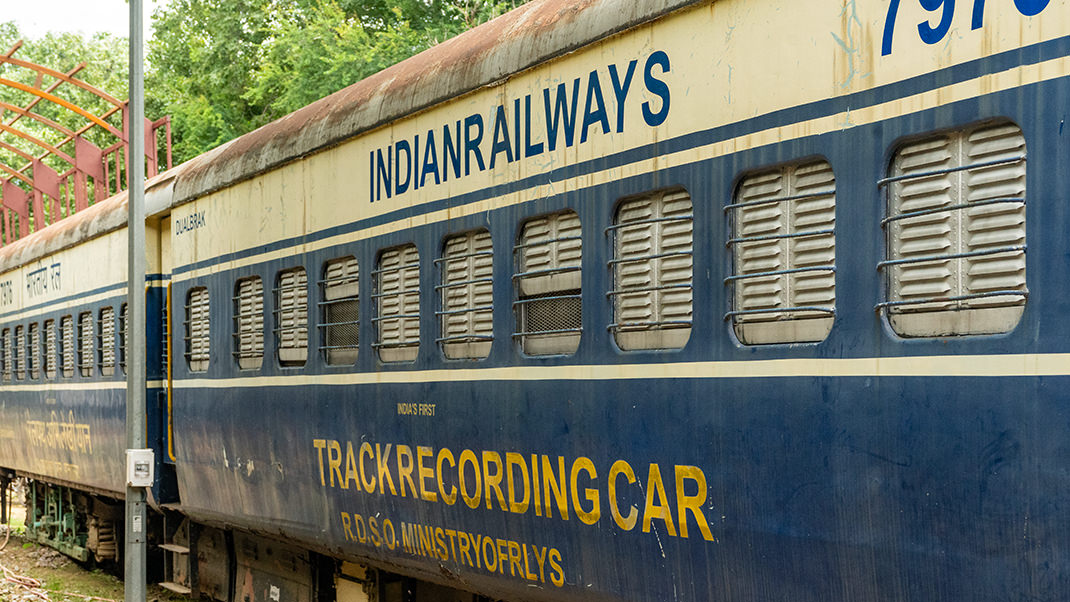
(407, 266)
(441, 260)
(546, 272)
(463, 283)
(546, 242)
(336, 301)
(339, 279)
(644, 222)
(777, 310)
(733, 241)
(398, 345)
(928, 258)
(783, 199)
(466, 310)
(649, 325)
(398, 317)
(323, 325)
(533, 333)
(650, 257)
(1007, 293)
(731, 279)
(553, 298)
(921, 212)
(465, 337)
(949, 170)
(408, 291)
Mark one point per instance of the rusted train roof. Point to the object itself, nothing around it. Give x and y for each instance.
(522, 38)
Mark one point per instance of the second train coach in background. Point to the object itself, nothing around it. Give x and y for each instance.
(728, 300)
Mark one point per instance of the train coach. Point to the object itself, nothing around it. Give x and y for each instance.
(603, 300)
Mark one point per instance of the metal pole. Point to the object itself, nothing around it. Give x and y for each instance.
(136, 525)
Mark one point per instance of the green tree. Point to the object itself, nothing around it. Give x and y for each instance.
(222, 68)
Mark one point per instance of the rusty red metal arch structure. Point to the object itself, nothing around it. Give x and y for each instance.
(33, 194)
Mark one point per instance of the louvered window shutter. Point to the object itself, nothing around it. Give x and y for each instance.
(107, 341)
(198, 339)
(398, 303)
(86, 352)
(956, 233)
(784, 254)
(20, 353)
(124, 335)
(652, 269)
(66, 325)
(341, 311)
(291, 317)
(33, 351)
(8, 366)
(466, 318)
(249, 322)
(50, 349)
(549, 307)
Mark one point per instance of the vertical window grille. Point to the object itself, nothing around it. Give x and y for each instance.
(549, 310)
(198, 326)
(106, 341)
(955, 233)
(50, 349)
(291, 317)
(652, 271)
(341, 311)
(249, 323)
(397, 296)
(20, 353)
(783, 248)
(86, 352)
(124, 335)
(33, 351)
(66, 326)
(467, 315)
(5, 340)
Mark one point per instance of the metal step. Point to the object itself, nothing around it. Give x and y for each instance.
(174, 547)
(178, 589)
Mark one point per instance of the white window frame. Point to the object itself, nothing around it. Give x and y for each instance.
(653, 270)
(397, 303)
(548, 259)
(291, 317)
(340, 328)
(198, 329)
(86, 340)
(466, 295)
(249, 323)
(783, 247)
(68, 346)
(955, 232)
(33, 350)
(50, 349)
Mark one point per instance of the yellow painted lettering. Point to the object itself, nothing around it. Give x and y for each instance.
(692, 503)
(451, 497)
(493, 480)
(319, 445)
(512, 462)
(659, 508)
(346, 524)
(405, 467)
(366, 451)
(557, 574)
(334, 461)
(351, 468)
(469, 457)
(382, 462)
(620, 467)
(588, 517)
(556, 485)
(424, 473)
(515, 568)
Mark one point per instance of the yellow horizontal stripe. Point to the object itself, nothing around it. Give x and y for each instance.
(1055, 364)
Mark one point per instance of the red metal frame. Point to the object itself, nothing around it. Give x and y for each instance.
(41, 186)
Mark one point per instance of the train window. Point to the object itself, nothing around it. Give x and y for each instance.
(549, 309)
(397, 295)
(50, 349)
(466, 318)
(85, 344)
(955, 233)
(20, 353)
(341, 311)
(124, 335)
(33, 350)
(652, 271)
(198, 327)
(783, 247)
(66, 327)
(249, 323)
(291, 317)
(5, 340)
(106, 341)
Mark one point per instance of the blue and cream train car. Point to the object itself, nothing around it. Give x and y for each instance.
(617, 300)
